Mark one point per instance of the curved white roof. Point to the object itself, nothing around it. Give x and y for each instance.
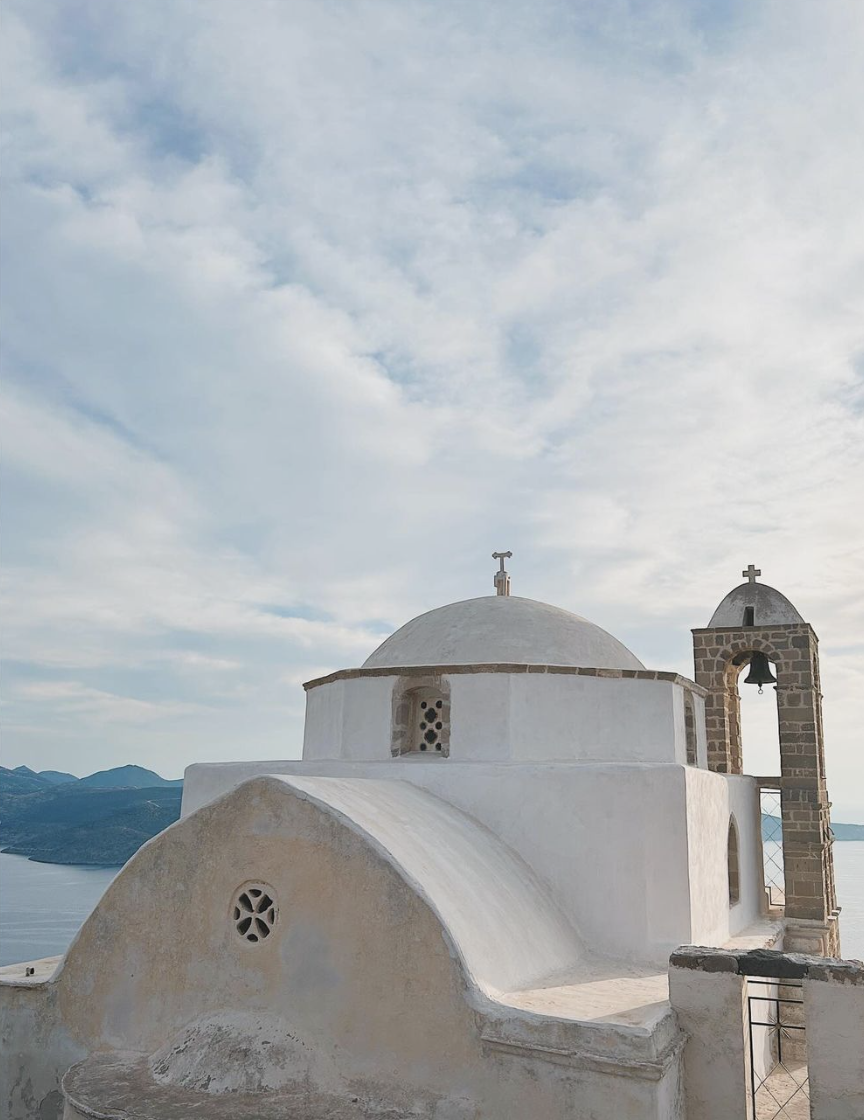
(507, 930)
(769, 607)
(502, 629)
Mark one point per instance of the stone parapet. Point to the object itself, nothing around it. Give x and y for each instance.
(506, 667)
(708, 991)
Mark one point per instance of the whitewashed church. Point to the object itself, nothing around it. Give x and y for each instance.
(478, 896)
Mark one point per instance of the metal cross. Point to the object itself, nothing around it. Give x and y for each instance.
(751, 573)
(502, 579)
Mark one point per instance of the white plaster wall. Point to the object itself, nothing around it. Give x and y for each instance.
(711, 798)
(322, 733)
(744, 803)
(367, 718)
(557, 716)
(349, 719)
(480, 716)
(834, 1015)
(609, 841)
(711, 1009)
(510, 716)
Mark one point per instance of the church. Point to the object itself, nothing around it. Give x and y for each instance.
(516, 875)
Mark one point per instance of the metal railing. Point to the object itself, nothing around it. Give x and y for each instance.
(779, 1079)
(771, 821)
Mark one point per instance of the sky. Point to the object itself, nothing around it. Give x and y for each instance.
(309, 307)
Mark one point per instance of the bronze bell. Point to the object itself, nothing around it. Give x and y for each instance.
(760, 671)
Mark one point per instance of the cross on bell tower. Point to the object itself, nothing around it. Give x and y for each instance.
(502, 577)
(751, 572)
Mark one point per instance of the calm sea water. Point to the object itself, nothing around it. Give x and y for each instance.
(42, 905)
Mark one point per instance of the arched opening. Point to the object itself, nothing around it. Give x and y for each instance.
(760, 729)
(755, 713)
(690, 729)
(732, 863)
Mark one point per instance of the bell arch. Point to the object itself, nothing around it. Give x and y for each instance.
(723, 705)
(720, 653)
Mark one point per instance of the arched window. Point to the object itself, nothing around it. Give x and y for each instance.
(690, 728)
(732, 863)
(421, 720)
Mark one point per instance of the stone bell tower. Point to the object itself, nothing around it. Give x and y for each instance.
(756, 624)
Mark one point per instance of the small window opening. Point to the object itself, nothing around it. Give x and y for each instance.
(732, 863)
(421, 723)
(749, 616)
(254, 912)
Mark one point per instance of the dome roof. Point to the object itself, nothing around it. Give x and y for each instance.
(502, 629)
(770, 608)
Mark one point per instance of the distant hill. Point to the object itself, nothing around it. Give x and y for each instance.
(25, 772)
(847, 831)
(771, 829)
(57, 777)
(104, 834)
(82, 822)
(21, 780)
(135, 777)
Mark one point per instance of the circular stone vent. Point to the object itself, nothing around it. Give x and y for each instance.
(254, 911)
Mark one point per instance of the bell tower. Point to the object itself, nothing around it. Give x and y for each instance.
(758, 627)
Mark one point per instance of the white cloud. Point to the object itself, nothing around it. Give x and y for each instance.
(311, 307)
(75, 699)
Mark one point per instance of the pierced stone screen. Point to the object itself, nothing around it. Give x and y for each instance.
(421, 721)
(429, 724)
(254, 912)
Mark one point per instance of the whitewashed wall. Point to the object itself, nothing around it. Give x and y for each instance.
(711, 799)
(834, 1017)
(502, 716)
(609, 840)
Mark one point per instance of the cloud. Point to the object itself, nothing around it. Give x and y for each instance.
(75, 699)
(309, 308)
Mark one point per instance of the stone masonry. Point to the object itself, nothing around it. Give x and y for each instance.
(720, 653)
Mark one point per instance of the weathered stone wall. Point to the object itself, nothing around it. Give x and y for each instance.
(719, 655)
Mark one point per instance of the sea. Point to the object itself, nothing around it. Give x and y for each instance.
(43, 905)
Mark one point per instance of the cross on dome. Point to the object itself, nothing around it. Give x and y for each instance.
(751, 572)
(502, 577)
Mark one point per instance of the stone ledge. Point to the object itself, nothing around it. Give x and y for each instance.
(506, 667)
(586, 1060)
(769, 963)
(704, 959)
(758, 631)
(29, 974)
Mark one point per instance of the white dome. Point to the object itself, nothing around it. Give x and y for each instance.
(768, 607)
(502, 629)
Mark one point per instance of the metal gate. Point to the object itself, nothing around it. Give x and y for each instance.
(779, 1081)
